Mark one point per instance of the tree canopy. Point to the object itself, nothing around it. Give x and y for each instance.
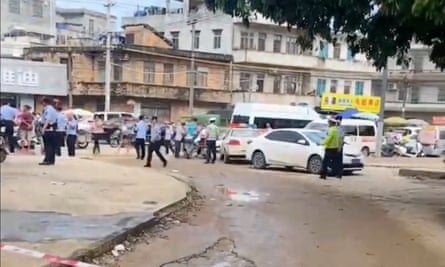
(379, 28)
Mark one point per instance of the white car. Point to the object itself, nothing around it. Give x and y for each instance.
(296, 148)
(234, 143)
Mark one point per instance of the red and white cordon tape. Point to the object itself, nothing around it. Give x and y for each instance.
(40, 255)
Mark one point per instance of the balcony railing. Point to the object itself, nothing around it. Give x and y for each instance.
(152, 91)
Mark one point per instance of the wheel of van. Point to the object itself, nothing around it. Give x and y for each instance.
(314, 164)
(258, 160)
(365, 151)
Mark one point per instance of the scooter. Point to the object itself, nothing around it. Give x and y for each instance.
(115, 138)
(3, 151)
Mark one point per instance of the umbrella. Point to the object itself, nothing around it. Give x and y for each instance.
(365, 116)
(348, 113)
(417, 122)
(395, 121)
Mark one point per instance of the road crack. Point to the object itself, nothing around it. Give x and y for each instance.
(222, 253)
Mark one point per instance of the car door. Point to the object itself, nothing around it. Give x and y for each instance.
(300, 150)
(279, 147)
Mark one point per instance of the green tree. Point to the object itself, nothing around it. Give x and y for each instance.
(379, 28)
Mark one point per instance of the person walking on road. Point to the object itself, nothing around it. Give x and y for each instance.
(155, 142)
(97, 132)
(332, 146)
(71, 134)
(7, 117)
(180, 133)
(25, 121)
(212, 136)
(141, 133)
(61, 130)
(168, 138)
(49, 119)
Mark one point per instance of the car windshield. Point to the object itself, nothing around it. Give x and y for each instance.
(315, 137)
(245, 133)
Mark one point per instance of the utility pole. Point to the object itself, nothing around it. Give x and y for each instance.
(108, 5)
(380, 122)
(192, 70)
(70, 79)
(405, 95)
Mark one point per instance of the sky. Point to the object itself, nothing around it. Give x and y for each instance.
(122, 8)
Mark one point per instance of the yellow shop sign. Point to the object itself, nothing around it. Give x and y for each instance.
(341, 102)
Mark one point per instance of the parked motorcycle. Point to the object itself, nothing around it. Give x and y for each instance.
(3, 151)
(83, 139)
(115, 138)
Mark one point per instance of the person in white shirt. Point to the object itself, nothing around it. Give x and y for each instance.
(168, 137)
(179, 135)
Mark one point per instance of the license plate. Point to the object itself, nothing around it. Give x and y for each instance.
(355, 161)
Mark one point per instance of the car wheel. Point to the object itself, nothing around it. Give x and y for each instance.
(365, 151)
(314, 164)
(348, 173)
(258, 160)
(226, 158)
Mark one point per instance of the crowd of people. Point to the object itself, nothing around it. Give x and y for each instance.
(57, 128)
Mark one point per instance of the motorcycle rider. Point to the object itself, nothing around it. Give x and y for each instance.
(7, 117)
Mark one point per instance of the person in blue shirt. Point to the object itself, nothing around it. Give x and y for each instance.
(7, 117)
(71, 134)
(192, 128)
(49, 120)
(141, 133)
(61, 130)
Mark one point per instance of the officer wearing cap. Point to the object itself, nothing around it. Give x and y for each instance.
(212, 136)
(49, 120)
(332, 145)
(155, 142)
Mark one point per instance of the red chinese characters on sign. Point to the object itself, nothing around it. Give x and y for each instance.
(439, 120)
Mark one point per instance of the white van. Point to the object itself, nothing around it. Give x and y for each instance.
(360, 134)
(278, 116)
(105, 116)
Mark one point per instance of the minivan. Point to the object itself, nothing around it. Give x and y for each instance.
(360, 134)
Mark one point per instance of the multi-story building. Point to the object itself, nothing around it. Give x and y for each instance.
(148, 77)
(80, 26)
(26, 23)
(268, 64)
(416, 88)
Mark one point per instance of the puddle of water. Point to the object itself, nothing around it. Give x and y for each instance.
(33, 227)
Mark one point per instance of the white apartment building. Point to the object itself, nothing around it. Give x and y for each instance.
(415, 89)
(80, 26)
(268, 64)
(26, 23)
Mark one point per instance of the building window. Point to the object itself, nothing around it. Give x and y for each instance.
(129, 38)
(117, 71)
(290, 84)
(196, 40)
(403, 93)
(323, 50)
(251, 40)
(175, 39)
(168, 73)
(149, 72)
(202, 78)
(262, 37)
(321, 87)
(260, 82)
(65, 62)
(245, 81)
(441, 95)
(101, 71)
(292, 46)
(14, 6)
(337, 50)
(217, 35)
(347, 87)
(37, 8)
(333, 88)
(414, 95)
(244, 40)
(277, 84)
(349, 55)
(61, 39)
(277, 43)
(91, 26)
(359, 88)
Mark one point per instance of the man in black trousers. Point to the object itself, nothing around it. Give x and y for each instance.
(155, 142)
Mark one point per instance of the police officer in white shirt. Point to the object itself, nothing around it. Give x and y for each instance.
(49, 120)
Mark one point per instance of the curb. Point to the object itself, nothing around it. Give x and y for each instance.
(107, 244)
(428, 174)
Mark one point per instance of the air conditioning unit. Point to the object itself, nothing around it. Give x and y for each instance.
(392, 87)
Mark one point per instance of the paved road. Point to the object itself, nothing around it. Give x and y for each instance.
(280, 218)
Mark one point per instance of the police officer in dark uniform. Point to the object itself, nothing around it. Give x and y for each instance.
(49, 128)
